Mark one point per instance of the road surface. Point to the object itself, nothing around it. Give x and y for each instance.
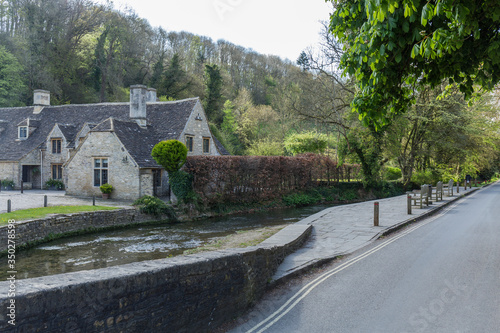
(438, 275)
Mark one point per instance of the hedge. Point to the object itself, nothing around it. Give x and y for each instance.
(244, 179)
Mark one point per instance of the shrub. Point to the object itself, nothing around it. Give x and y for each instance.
(391, 173)
(106, 188)
(54, 183)
(181, 183)
(170, 154)
(154, 206)
(8, 183)
(426, 177)
(300, 199)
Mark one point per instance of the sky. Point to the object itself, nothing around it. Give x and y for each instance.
(273, 27)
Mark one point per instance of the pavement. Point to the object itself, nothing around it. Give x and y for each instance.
(342, 230)
(35, 199)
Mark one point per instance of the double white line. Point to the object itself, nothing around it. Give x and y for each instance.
(302, 293)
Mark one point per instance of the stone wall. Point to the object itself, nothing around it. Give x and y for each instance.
(37, 230)
(10, 170)
(195, 293)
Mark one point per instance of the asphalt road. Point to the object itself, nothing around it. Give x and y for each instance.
(439, 275)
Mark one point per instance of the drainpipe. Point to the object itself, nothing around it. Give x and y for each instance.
(41, 169)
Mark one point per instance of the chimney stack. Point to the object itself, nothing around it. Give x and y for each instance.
(138, 98)
(151, 95)
(41, 98)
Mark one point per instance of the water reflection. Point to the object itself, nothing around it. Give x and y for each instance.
(138, 244)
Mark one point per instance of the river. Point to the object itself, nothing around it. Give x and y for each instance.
(118, 247)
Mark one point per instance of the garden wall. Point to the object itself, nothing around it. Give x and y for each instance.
(195, 293)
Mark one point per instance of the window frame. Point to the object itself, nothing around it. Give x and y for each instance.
(207, 140)
(103, 171)
(56, 170)
(23, 129)
(190, 143)
(56, 145)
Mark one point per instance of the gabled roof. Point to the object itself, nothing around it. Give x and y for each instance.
(166, 119)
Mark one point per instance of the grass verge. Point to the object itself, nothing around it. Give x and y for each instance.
(37, 213)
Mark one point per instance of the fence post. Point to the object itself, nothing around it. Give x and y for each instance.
(8, 206)
(409, 204)
(458, 186)
(376, 214)
(45, 201)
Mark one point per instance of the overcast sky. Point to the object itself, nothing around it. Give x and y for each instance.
(278, 27)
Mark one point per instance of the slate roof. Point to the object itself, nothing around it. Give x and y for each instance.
(166, 120)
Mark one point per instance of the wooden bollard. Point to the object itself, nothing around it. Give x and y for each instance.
(93, 200)
(45, 201)
(376, 215)
(9, 206)
(22, 186)
(458, 186)
(409, 204)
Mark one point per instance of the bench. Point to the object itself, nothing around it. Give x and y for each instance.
(448, 188)
(418, 197)
(437, 191)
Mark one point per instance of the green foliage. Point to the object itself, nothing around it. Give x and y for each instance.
(181, 183)
(307, 142)
(8, 183)
(300, 199)
(106, 188)
(213, 94)
(393, 47)
(170, 154)
(11, 83)
(265, 147)
(391, 173)
(59, 185)
(426, 177)
(154, 206)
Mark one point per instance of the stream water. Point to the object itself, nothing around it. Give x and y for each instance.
(124, 246)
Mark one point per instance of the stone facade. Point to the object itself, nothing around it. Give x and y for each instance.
(197, 128)
(123, 172)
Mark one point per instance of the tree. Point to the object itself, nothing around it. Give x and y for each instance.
(175, 79)
(394, 48)
(11, 84)
(213, 96)
(307, 142)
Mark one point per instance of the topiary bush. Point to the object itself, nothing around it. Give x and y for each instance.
(170, 154)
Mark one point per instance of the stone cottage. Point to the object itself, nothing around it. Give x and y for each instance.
(88, 145)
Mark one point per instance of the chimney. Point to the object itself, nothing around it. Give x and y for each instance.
(151, 95)
(138, 98)
(41, 98)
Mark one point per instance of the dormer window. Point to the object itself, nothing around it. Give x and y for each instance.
(23, 132)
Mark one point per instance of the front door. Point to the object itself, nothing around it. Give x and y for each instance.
(26, 173)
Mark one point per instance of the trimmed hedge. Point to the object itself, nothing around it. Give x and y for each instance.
(250, 179)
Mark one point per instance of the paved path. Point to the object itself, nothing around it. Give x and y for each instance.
(35, 199)
(344, 229)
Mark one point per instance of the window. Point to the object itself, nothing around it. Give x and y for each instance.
(100, 171)
(57, 171)
(206, 145)
(23, 132)
(189, 143)
(56, 146)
